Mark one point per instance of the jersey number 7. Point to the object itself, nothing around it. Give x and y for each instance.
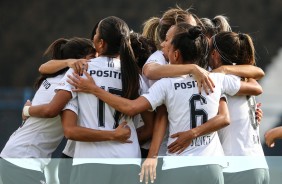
(101, 108)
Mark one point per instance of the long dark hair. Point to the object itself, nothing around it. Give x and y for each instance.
(192, 44)
(234, 48)
(74, 48)
(115, 32)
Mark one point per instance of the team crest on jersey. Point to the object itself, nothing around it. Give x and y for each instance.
(46, 84)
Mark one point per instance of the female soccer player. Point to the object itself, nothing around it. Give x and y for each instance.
(39, 137)
(241, 138)
(178, 93)
(116, 70)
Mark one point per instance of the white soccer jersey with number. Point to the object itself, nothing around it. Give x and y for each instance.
(95, 114)
(241, 137)
(188, 109)
(38, 137)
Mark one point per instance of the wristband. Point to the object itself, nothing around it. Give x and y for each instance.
(26, 111)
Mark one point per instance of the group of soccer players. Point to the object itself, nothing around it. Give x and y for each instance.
(180, 95)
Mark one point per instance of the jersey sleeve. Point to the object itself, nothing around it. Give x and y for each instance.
(157, 93)
(231, 84)
(72, 105)
(64, 85)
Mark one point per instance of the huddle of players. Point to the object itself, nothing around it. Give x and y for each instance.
(196, 112)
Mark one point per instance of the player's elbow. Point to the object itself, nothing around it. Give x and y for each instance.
(260, 74)
(68, 132)
(150, 71)
(225, 120)
(257, 90)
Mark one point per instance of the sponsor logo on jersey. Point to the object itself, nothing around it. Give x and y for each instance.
(46, 84)
(106, 73)
(185, 85)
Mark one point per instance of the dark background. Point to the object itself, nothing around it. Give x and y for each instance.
(28, 27)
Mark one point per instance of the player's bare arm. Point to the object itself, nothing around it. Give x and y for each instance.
(184, 139)
(246, 71)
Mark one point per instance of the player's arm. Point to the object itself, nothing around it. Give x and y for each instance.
(145, 132)
(126, 106)
(246, 71)
(75, 132)
(250, 87)
(54, 66)
(184, 139)
(51, 109)
(271, 135)
(155, 71)
(148, 169)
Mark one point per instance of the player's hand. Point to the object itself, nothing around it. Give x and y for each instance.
(85, 85)
(78, 65)
(259, 113)
(204, 82)
(27, 103)
(148, 170)
(184, 139)
(122, 133)
(269, 138)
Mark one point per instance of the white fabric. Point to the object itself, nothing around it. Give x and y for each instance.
(241, 137)
(158, 57)
(106, 73)
(180, 95)
(138, 121)
(38, 137)
(70, 145)
(244, 163)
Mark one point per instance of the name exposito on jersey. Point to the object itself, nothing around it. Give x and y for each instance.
(185, 85)
(106, 73)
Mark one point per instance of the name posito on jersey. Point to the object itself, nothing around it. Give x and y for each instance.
(106, 73)
(185, 85)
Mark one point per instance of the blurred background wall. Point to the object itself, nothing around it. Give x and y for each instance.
(28, 27)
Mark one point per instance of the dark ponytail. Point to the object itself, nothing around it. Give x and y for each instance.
(234, 48)
(74, 48)
(115, 32)
(193, 46)
(129, 70)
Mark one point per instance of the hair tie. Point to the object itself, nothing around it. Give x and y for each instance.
(241, 36)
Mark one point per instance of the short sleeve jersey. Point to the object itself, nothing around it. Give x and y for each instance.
(188, 109)
(38, 137)
(95, 114)
(156, 57)
(241, 137)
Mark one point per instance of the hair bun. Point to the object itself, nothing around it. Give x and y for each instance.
(195, 32)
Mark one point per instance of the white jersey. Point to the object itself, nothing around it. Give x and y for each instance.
(241, 137)
(38, 137)
(70, 145)
(158, 57)
(138, 121)
(95, 114)
(188, 109)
